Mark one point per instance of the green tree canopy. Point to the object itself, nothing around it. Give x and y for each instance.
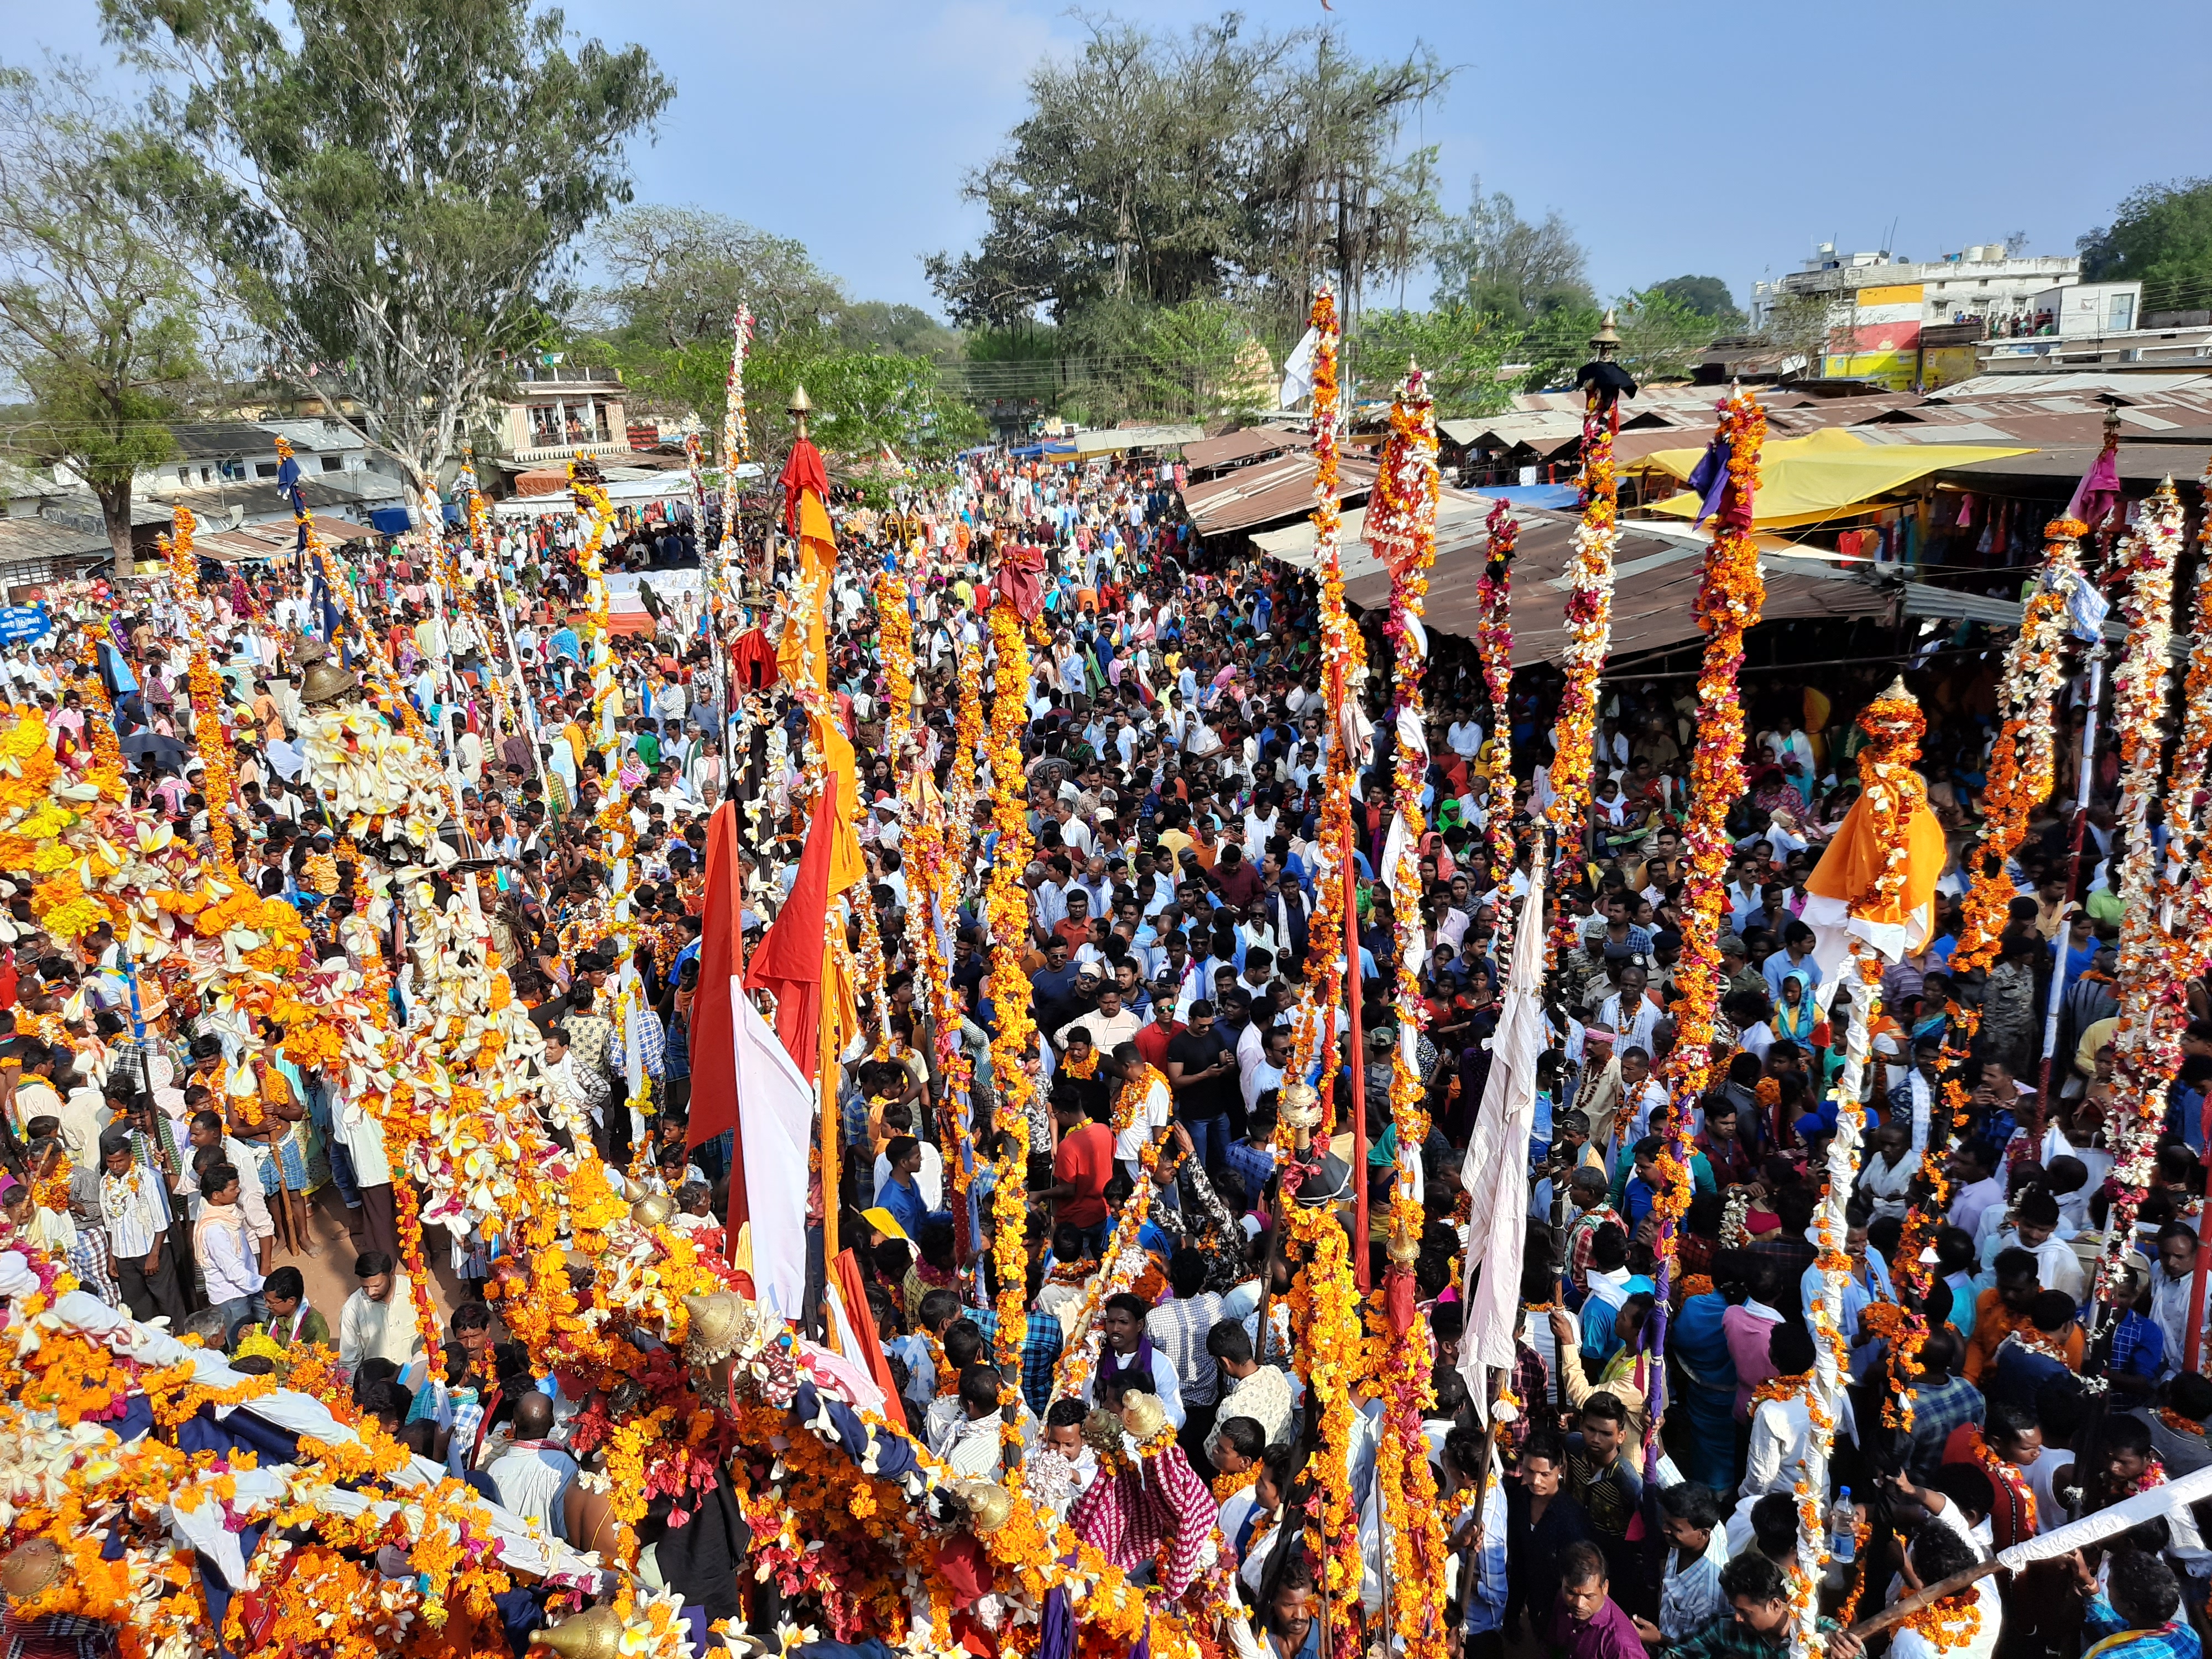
(1460, 350)
(679, 275)
(2161, 236)
(394, 187)
(1222, 164)
(1708, 296)
(1493, 260)
(97, 317)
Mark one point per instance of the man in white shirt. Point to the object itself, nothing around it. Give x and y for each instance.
(532, 1476)
(378, 1319)
(1782, 1429)
(1464, 737)
(1151, 1115)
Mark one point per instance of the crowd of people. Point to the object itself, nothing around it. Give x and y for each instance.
(1616, 1496)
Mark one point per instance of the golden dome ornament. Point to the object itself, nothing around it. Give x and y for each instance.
(31, 1568)
(989, 1506)
(654, 1210)
(595, 1633)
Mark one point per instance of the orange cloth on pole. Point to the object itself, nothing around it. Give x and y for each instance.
(1850, 867)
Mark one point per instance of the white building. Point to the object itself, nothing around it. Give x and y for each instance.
(1878, 303)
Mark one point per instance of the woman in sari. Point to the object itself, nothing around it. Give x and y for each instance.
(1794, 1017)
(1696, 1343)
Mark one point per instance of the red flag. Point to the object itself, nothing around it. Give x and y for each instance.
(855, 1295)
(802, 472)
(790, 960)
(714, 1030)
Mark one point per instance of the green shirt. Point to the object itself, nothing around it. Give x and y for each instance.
(648, 750)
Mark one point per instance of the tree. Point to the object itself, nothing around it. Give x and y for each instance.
(1123, 360)
(1708, 296)
(680, 273)
(1219, 165)
(2161, 236)
(96, 315)
(1798, 326)
(1661, 338)
(394, 187)
(1491, 258)
(1459, 349)
(863, 400)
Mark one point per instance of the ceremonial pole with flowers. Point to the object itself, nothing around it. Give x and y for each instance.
(2020, 772)
(1730, 595)
(2146, 1052)
(1589, 616)
(1877, 879)
(1493, 644)
(1401, 527)
(1343, 651)
(1007, 904)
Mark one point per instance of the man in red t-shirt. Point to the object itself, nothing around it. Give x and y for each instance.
(1080, 1166)
(1152, 1041)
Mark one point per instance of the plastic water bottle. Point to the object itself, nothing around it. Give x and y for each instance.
(1842, 1529)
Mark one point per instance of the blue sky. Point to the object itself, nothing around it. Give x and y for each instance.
(1734, 137)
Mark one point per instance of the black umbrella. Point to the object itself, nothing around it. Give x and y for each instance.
(167, 753)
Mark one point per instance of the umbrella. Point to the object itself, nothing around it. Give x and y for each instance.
(169, 754)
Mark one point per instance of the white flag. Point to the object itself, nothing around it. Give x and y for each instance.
(775, 1127)
(1298, 368)
(1497, 1168)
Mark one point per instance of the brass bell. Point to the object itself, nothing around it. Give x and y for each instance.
(593, 1634)
(1143, 1415)
(323, 681)
(30, 1569)
(990, 1506)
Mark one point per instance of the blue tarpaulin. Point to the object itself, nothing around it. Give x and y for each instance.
(390, 520)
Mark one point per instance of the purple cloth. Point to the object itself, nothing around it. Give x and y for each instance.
(1611, 1634)
(1138, 1372)
(1710, 479)
(2098, 489)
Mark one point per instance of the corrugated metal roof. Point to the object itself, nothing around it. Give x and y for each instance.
(1244, 445)
(1656, 574)
(24, 539)
(1269, 492)
(1105, 440)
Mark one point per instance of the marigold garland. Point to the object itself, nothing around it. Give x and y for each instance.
(1730, 595)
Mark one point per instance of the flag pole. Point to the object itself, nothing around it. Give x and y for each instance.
(1356, 1063)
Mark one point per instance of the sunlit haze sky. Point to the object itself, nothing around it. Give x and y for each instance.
(1713, 139)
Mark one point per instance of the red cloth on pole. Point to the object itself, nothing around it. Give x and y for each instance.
(802, 472)
(714, 1046)
(753, 661)
(790, 963)
(855, 1295)
(1020, 579)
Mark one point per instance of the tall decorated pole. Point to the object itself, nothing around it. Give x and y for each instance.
(1870, 902)
(2022, 770)
(1493, 644)
(1342, 660)
(1401, 527)
(1730, 595)
(1324, 1299)
(1590, 616)
(2147, 1050)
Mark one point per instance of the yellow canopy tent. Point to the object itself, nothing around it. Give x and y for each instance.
(1828, 474)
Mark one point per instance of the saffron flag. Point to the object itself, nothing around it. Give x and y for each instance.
(1851, 865)
(850, 1302)
(1496, 1172)
(803, 654)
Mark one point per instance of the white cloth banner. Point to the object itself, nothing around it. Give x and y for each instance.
(1297, 368)
(1496, 1172)
(2175, 1495)
(776, 1120)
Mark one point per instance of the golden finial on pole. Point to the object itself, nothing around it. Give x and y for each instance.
(799, 408)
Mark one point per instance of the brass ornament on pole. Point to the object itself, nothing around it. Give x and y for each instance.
(798, 409)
